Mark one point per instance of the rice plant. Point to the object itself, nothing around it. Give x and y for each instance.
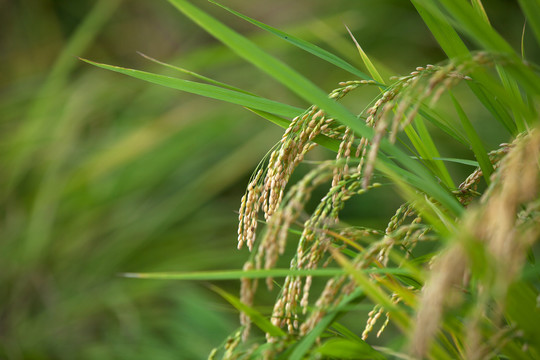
(452, 275)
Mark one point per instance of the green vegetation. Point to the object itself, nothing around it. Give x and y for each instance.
(397, 217)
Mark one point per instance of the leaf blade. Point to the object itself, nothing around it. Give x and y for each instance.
(302, 44)
(211, 91)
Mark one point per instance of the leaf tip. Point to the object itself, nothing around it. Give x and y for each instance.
(131, 275)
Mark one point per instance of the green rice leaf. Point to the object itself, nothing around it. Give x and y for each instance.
(430, 152)
(485, 35)
(254, 274)
(373, 291)
(442, 123)
(493, 105)
(440, 27)
(479, 8)
(279, 121)
(304, 345)
(196, 75)
(476, 143)
(367, 62)
(459, 161)
(311, 93)
(349, 349)
(531, 9)
(256, 317)
(304, 45)
(272, 66)
(455, 48)
(475, 25)
(521, 113)
(346, 332)
(210, 91)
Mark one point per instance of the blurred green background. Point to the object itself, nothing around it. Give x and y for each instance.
(103, 174)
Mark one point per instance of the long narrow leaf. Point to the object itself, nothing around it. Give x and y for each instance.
(308, 91)
(476, 143)
(433, 153)
(372, 291)
(196, 75)
(455, 48)
(302, 44)
(367, 62)
(255, 274)
(441, 29)
(531, 9)
(210, 91)
(305, 344)
(256, 317)
(486, 36)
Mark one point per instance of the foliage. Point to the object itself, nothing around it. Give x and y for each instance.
(451, 275)
(458, 300)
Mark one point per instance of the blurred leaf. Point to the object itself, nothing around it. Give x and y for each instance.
(196, 75)
(256, 317)
(531, 9)
(372, 291)
(476, 144)
(522, 308)
(348, 349)
(255, 274)
(302, 347)
(210, 91)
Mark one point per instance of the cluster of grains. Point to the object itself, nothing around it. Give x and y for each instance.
(375, 314)
(467, 190)
(311, 250)
(400, 104)
(266, 190)
(350, 173)
(506, 221)
(231, 344)
(274, 239)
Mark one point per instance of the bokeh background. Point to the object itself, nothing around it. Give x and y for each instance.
(102, 174)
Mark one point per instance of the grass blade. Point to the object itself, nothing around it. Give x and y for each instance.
(367, 62)
(302, 44)
(482, 33)
(476, 143)
(372, 291)
(308, 91)
(531, 9)
(196, 75)
(210, 91)
(348, 349)
(256, 317)
(304, 345)
(455, 48)
(441, 29)
(423, 144)
(255, 274)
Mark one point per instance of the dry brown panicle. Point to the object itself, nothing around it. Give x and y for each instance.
(447, 273)
(496, 222)
(516, 184)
